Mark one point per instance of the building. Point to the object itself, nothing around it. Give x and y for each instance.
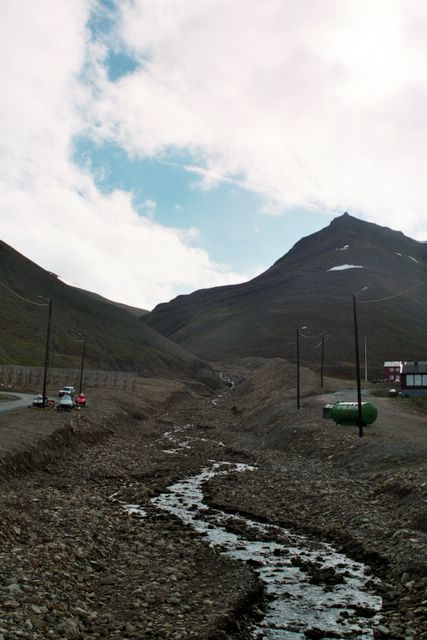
(413, 378)
(392, 370)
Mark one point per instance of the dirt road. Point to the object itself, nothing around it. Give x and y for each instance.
(393, 418)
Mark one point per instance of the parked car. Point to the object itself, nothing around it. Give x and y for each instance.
(38, 401)
(66, 403)
(81, 400)
(67, 390)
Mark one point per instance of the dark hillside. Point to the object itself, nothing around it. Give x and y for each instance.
(116, 338)
(136, 311)
(260, 317)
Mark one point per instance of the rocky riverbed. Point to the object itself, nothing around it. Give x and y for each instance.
(78, 562)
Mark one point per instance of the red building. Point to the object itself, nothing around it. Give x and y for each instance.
(392, 370)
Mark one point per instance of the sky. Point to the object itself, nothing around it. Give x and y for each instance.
(149, 148)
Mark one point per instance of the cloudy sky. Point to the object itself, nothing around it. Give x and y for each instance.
(153, 147)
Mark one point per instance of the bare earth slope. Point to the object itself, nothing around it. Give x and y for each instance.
(76, 564)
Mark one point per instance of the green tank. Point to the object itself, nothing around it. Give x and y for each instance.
(348, 413)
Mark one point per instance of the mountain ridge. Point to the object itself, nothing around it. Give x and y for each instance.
(115, 337)
(304, 287)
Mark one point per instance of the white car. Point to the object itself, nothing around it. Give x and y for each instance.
(68, 390)
(38, 401)
(66, 403)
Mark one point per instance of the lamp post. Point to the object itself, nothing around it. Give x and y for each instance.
(322, 358)
(366, 359)
(298, 376)
(46, 359)
(356, 344)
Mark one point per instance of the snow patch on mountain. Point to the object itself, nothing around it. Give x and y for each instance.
(341, 267)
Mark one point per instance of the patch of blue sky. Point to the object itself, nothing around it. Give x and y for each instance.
(119, 64)
(103, 18)
(102, 26)
(227, 217)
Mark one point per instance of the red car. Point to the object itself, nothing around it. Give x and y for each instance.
(81, 400)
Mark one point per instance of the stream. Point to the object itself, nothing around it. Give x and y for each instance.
(309, 586)
(312, 591)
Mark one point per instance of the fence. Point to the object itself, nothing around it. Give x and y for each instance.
(32, 377)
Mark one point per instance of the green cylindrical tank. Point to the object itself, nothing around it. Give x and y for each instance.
(348, 413)
(327, 410)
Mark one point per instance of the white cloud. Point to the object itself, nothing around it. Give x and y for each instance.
(51, 210)
(315, 104)
(148, 207)
(99, 242)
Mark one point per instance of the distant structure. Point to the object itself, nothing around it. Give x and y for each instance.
(392, 369)
(413, 378)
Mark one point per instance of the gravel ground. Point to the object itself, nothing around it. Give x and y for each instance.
(76, 564)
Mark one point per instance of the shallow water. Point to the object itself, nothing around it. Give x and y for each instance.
(309, 584)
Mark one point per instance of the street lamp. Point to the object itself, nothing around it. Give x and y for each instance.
(356, 344)
(322, 358)
(83, 341)
(366, 359)
(298, 377)
(46, 359)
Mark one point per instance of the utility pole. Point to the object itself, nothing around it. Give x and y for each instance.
(322, 360)
(366, 359)
(298, 362)
(356, 344)
(46, 359)
(82, 365)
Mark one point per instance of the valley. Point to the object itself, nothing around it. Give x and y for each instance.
(87, 553)
(213, 320)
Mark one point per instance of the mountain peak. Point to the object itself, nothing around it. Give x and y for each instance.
(345, 219)
(312, 283)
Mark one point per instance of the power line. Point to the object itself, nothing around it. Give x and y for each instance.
(318, 335)
(39, 304)
(395, 295)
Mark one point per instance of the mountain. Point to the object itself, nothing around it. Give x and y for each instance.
(115, 337)
(136, 311)
(312, 285)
